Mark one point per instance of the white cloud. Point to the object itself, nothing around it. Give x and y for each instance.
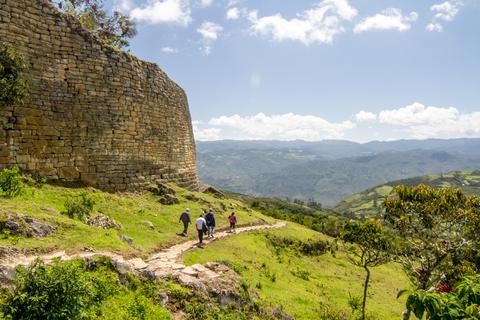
(418, 113)
(388, 19)
(210, 32)
(169, 50)
(233, 14)
(206, 3)
(365, 116)
(287, 126)
(445, 11)
(422, 121)
(164, 11)
(434, 27)
(317, 25)
(206, 134)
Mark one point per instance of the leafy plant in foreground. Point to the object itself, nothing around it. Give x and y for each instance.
(462, 302)
(435, 226)
(11, 182)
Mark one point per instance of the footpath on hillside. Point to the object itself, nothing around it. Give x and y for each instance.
(156, 266)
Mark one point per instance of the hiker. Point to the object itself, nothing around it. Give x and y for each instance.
(233, 220)
(185, 218)
(201, 225)
(210, 218)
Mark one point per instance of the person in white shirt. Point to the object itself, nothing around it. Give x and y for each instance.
(201, 225)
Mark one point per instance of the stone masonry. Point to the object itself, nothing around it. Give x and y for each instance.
(93, 114)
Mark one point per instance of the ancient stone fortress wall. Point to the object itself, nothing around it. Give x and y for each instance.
(92, 114)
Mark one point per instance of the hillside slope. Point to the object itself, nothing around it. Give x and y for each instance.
(369, 202)
(267, 269)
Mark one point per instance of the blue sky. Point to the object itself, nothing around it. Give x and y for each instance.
(334, 69)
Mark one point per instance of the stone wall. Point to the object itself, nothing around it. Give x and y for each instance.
(92, 114)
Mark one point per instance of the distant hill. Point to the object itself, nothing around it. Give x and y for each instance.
(327, 171)
(368, 203)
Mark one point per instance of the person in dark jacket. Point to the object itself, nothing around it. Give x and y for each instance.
(185, 218)
(210, 218)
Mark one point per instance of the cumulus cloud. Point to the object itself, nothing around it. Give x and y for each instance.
(365, 116)
(418, 113)
(210, 32)
(207, 134)
(388, 19)
(169, 50)
(319, 24)
(164, 11)
(434, 27)
(287, 126)
(422, 121)
(232, 14)
(445, 12)
(123, 5)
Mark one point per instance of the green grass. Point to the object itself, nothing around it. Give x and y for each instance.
(361, 205)
(131, 211)
(331, 278)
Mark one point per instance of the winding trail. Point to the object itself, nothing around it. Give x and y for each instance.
(158, 265)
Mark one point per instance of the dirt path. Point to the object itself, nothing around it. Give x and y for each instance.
(158, 265)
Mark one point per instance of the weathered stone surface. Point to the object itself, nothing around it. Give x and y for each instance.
(93, 114)
(169, 200)
(102, 221)
(205, 188)
(20, 224)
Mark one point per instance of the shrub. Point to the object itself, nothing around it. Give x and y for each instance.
(79, 207)
(11, 182)
(308, 248)
(12, 87)
(59, 291)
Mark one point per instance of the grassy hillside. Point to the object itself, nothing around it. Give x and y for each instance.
(369, 202)
(141, 217)
(301, 284)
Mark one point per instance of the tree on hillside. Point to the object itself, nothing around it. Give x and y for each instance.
(115, 30)
(437, 227)
(371, 247)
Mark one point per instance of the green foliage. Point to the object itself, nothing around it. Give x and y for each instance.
(80, 206)
(11, 182)
(78, 290)
(435, 226)
(114, 30)
(12, 87)
(310, 247)
(60, 291)
(463, 302)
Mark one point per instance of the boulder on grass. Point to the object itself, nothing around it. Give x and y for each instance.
(169, 200)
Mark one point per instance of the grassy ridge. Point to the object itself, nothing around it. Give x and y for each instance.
(134, 212)
(331, 279)
(368, 203)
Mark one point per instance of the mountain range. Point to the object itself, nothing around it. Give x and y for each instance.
(327, 171)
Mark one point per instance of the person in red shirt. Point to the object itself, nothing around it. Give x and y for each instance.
(233, 221)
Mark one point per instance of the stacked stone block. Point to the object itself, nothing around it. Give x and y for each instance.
(93, 114)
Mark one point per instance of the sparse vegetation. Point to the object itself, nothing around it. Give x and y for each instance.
(79, 206)
(114, 30)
